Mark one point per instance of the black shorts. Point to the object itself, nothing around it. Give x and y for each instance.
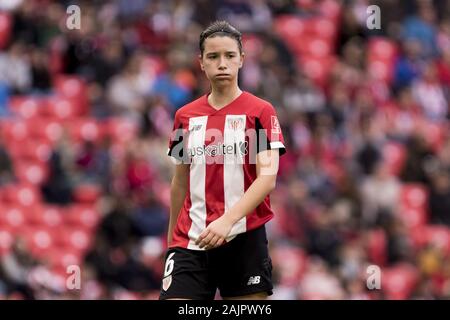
(237, 268)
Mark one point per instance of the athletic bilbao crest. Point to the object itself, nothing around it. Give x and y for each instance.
(167, 281)
(236, 124)
(275, 125)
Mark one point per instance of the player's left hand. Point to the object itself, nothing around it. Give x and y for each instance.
(215, 234)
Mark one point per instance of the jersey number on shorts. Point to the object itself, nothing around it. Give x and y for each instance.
(169, 265)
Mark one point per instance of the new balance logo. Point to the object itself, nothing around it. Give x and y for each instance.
(253, 280)
(195, 127)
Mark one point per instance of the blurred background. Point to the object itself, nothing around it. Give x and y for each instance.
(85, 117)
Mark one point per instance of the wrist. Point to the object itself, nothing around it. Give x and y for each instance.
(230, 217)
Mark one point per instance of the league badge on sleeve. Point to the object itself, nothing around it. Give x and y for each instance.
(275, 124)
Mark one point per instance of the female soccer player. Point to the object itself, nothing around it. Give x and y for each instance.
(226, 144)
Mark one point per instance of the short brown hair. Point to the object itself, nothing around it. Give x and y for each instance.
(223, 29)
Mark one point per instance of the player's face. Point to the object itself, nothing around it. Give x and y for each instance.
(221, 60)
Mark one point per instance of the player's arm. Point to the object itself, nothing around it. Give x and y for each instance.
(266, 168)
(178, 190)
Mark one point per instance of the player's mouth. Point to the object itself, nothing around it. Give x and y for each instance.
(223, 75)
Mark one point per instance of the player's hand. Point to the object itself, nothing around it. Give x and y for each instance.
(215, 234)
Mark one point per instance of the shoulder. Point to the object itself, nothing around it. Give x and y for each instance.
(258, 104)
(257, 100)
(190, 108)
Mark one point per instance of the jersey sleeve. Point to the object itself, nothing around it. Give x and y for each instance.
(176, 144)
(269, 133)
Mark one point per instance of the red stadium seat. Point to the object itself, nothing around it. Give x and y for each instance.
(23, 195)
(377, 246)
(31, 150)
(123, 294)
(120, 130)
(291, 262)
(46, 216)
(313, 47)
(60, 258)
(71, 237)
(81, 216)
(381, 58)
(73, 87)
(305, 4)
(34, 173)
(381, 70)
(412, 208)
(38, 240)
(87, 193)
(398, 282)
(14, 131)
(394, 155)
(154, 64)
(5, 28)
(51, 216)
(414, 195)
(380, 48)
(330, 9)
(321, 27)
(439, 236)
(434, 134)
(253, 46)
(25, 106)
(316, 68)
(35, 216)
(436, 235)
(289, 27)
(46, 129)
(418, 237)
(6, 240)
(12, 217)
(413, 217)
(85, 129)
(56, 63)
(62, 108)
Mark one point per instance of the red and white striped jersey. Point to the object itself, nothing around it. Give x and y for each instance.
(221, 147)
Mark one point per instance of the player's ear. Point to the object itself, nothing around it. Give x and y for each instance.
(201, 62)
(242, 60)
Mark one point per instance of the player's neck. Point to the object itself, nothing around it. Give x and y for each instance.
(220, 97)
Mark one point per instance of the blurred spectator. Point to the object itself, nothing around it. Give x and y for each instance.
(440, 198)
(408, 65)
(126, 91)
(422, 28)
(301, 95)
(443, 69)
(418, 154)
(40, 75)
(6, 168)
(15, 70)
(150, 217)
(430, 94)
(380, 194)
(322, 239)
(59, 186)
(399, 246)
(320, 284)
(15, 268)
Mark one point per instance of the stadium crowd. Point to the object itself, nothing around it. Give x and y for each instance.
(85, 117)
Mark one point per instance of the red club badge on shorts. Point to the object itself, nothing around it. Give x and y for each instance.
(167, 281)
(275, 124)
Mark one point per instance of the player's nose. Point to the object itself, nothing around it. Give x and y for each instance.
(222, 64)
